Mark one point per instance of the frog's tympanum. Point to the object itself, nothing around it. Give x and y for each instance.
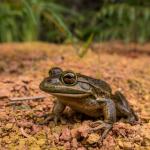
(87, 95)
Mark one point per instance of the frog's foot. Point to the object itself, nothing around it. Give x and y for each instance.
(131, 120)
(42, 116)
(101, 125)
(50, 117)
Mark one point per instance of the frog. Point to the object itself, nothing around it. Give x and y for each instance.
(86, 95)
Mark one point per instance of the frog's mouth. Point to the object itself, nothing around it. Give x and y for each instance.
(62, 91)
(70, 95)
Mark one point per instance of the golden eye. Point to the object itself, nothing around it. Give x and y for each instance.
(69, 78)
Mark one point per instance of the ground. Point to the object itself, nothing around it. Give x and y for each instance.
(23, 66)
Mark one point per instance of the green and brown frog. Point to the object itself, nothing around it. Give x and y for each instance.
(86, 95)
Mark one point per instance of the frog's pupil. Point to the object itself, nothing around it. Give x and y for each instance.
(69, 78)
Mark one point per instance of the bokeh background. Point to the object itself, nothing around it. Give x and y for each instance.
(74, 20)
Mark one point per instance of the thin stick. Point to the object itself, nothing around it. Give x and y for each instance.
(24, 133)
(27, 98)
(2, 97)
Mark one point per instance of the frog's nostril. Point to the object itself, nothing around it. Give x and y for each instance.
(49, 80)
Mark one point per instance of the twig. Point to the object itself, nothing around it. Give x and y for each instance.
(13, 103)
(24, 133)
(27, 98)
(2, 97)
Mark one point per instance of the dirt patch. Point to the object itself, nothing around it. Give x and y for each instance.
(23, 66)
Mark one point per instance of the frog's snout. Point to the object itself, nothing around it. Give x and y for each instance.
(42, 84)
(46, 84)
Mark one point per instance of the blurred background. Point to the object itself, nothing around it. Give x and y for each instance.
(73, 20)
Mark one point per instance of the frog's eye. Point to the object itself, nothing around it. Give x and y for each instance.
(55, 71)
(69, 78)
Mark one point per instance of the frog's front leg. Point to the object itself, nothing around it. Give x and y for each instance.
(56, 113)
(109, 112)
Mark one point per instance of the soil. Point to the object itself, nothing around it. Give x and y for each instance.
(24, 65)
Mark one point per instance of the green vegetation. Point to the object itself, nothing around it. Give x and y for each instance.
(62, 21)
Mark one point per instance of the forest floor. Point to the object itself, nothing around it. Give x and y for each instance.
(23, 66)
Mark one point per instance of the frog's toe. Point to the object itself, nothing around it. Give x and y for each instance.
(46, 121)
(41, 116)
(130, 120)
(96, 123)
(48, 117)
(107, 128)
(51, 117)
(102, 125)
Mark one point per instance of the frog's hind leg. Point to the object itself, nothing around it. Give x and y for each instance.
(109, 111)
(123, 108)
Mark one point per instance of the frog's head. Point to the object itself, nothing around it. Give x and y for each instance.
(65, 83)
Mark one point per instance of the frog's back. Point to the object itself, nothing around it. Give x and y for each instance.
(102, 85)
(98, 84)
